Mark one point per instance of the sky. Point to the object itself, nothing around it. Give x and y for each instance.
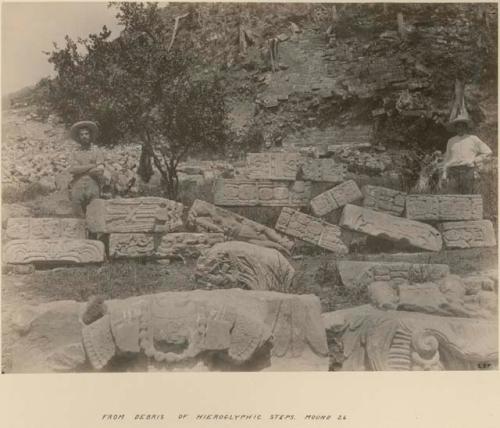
(30, 28)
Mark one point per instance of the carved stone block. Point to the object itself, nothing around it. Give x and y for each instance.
(312, 230)
(21, 251)
(444, 207)
(337, 197)
(231, 192)
(130, 245)
(323, 170)
(468, 234)
(146, 214)
(383, 199)
(206, 217)
(389, 227)
(355, 274)
(45, 228)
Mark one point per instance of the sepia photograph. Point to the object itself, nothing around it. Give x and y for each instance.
(246, 187)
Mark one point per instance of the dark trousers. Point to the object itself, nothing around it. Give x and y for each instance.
(461, 180)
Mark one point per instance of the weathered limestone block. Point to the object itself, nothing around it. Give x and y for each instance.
(182, 244)
(323, 170)
(383, 199)
(214, 330)
(336, 197)
(45, 228)
(376, 340)
(444, 207)
(14, 210)
(389, 227)
(468, 234)
(232, 192)
(206, 217)
(355, 274)
(22, 251)
(145, 214)
(240, 264)
(312, 230)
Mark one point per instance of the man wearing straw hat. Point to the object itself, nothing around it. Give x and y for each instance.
(88, 166)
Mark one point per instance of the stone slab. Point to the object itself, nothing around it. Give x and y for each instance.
(206, 217)
(312, 230)
(392, 228)
(444, 207)
(145, 214)
(336, 197)
(383, 199)
(355, 274)
(184, 244)
(323, 170)
(468, 234)
(79, 251)
(232, 192)
(45, 228)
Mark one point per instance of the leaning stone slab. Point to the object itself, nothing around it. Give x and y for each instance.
(444, 207)
(232, 192)
(80, 251)
(146, 214)
(312, 230)
(206, 217)
(383, 199)
(468, 234)
(45, 228)
(336, 197)
(355, 274)
(392, 228)
(183, 244)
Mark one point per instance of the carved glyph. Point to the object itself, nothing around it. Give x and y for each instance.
(383, 199)
(468, 234)
(336, 197)
(45, 228)
(444, 207)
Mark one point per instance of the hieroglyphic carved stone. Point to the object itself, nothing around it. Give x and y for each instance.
(145, 214)
(232, 192)
(53, 250)
(206, 217)
(360, 274)
(389, 227)
(444, 207)
(323, 170)
(45, 228)
(183, 244)
(468, 234)
(336, 197)
(311, 229)
(383, 199)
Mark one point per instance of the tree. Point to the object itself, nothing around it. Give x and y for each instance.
(143, 86)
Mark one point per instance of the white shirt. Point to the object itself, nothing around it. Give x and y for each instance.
(462, 150)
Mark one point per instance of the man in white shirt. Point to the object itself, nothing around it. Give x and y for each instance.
(464, 153)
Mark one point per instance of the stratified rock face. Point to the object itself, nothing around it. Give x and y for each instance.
(146, 214)
(383, 199)
(312, 230)
(389, 227)
(444, 207)
(183, 244)
(45, 228)
(206, 217)
(336, 197)
(240, 264)
(215, 330)
(80, 251)
(233, 192)
(361, 274)
(468, 234)
(397, 340)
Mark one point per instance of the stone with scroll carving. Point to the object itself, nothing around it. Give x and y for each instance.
(45, 228)
(206, 217)
(78, 251)
(129, 215)
(272, 166)
(336, 197)
(444, 207)
(384, 199)
(468, 234)
(390, 227)
(311, 229)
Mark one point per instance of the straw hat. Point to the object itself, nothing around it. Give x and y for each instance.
(85, 124)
